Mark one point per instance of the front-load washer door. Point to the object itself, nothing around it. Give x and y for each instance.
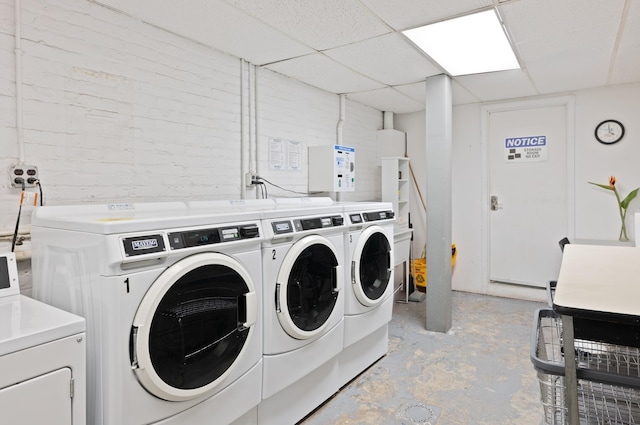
(192, 326)
(371, 266)
(308, 286)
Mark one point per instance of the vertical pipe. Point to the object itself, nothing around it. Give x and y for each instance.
(257, 121)
(243, 166)
(387, 120)
(251, 117)
(18, 58)
(339, 139)
(341, 119)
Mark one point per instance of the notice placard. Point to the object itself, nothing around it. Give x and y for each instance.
(525, 149)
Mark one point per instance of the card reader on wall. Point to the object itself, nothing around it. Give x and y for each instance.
(332, 168)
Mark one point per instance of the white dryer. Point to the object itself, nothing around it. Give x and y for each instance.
(303, 279)
(369, 285)
(42, 358)
(172, 301)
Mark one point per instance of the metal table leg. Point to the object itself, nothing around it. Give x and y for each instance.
(570, 378)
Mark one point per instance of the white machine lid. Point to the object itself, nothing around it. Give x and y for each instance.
(132, 217)
(26, 323)
(293, 207)
(365, 206)
(233, 205)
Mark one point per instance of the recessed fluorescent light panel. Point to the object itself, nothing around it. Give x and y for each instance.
(470, 44)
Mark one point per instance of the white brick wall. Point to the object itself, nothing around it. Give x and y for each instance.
(117, 110)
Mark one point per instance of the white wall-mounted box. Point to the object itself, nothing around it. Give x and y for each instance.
(332, 168)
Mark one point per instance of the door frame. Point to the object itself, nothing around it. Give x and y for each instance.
(485, 111)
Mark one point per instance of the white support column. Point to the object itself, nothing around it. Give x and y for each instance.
(438, 198)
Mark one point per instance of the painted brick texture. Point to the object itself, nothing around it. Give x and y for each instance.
(116, 110)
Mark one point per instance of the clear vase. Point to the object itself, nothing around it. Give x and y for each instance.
(623, 229)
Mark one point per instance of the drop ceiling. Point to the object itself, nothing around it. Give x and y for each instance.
(355, 47)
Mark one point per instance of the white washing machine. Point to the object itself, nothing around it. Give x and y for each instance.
(303, 280)
(369, 285)
(172, 300)
(42, 358)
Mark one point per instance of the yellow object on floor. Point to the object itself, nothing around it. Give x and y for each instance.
(418, 269)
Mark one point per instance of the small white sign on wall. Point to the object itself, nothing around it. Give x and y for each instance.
(285, 154)
(294, 155)
(277, 154)
(525, 149)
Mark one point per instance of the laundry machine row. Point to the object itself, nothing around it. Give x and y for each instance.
(271, 283)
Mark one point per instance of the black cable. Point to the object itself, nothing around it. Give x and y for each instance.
(15, 232)
(288, 190)
(263, 189)
(37, 182)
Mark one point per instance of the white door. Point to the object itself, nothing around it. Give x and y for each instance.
(309, 283)
(45, 399)
(528, 190)
(192, 326)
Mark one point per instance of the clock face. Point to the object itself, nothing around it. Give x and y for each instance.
(609, 132)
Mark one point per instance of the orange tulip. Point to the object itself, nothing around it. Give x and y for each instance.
(622, 204)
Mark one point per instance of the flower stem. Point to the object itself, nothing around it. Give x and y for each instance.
(623, 215)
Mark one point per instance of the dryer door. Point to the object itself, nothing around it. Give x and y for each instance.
(192, 326)
(371, 266)
(308, 285)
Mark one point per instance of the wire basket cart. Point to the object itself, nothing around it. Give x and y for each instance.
(608, 374)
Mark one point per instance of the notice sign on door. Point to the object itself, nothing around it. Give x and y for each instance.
(525, 149)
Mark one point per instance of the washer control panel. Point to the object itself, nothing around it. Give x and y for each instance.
(154, 246)
(378, 215)
(281, 227)
(199, 237)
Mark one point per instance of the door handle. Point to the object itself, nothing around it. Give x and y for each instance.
(495, 206)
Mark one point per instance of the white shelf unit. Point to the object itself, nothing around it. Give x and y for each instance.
(396, 186)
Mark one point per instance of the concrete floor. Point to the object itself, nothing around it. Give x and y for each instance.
(477, 373)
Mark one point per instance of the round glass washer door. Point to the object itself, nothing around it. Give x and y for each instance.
(192, 326)
(371, 266)
(308, 285)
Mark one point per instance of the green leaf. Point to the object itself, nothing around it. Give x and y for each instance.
(626, 201)
(604, 186)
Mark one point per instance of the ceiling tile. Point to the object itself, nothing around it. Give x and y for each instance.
(323, 72)
(389, 59)
(460, 95)
(498, 85)
(387, 99)
(552, 19)
(575, 61)
(416, 91)
(627, 60)
(413, 13)
(319, 24)
(214, 23)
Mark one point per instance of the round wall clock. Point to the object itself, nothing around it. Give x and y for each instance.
(609, 132)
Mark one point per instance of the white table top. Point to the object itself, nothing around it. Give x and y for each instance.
(600, 279)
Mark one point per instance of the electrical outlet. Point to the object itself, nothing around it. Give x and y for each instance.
(26, 173)
(250, 179)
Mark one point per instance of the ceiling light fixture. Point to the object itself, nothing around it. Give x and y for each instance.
(471, 44)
